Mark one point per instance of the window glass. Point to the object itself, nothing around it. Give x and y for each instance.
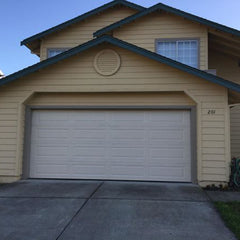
(167, 49)
(184, 51)
(55, 51)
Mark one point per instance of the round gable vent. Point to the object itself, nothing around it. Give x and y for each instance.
(107, 62)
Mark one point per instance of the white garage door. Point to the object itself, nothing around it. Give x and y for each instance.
(111, 144)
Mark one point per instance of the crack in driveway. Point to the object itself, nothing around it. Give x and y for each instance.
(79, 210)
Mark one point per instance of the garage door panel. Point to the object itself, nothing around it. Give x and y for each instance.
(171, 116)
(53, 142)
(127, 161)
(89, 116)
(54, 124)
(52, 151)
(128, 144)
(165, 125)
(89, 152)
(52, 133)
(127, 134)
(94, 172)
(87, 143)
(177, 174)
(161, 144)
(57, 121)
(47, 116)
(83, 139)
(166, 162)
(127, 152)
(121, 116)
(127, 172)
(49, 135)
(90, 125)
(92, 134)
(168, 153)
(49, 160)
(127, 126)
(85, 161)
(111, 144)
(167, 134)
(55, 169)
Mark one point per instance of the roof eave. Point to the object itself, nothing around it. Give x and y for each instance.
(168, 9)
(108, 39)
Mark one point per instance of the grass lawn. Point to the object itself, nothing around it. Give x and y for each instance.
(230, 212)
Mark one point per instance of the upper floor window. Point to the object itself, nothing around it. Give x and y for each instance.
(184, 51)
(55, 51)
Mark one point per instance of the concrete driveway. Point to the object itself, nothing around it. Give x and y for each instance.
(95, 210)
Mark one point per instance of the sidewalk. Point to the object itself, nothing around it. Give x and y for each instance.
(223, 196)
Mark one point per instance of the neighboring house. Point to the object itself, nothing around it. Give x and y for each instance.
(123, 92)
(1, 74)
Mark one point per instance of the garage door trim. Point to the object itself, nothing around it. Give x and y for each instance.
(28, 127)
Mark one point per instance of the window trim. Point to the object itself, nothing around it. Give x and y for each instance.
(157, 40)
(56, 49)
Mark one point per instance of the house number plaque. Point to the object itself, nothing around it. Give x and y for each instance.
(211, 112)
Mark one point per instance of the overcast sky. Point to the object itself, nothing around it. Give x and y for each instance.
(20, 19)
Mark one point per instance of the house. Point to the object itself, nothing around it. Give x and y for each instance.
(123, 92)
(1, 74)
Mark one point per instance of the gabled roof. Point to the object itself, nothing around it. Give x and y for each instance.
(125, 45)
(81, 18)
(159, 7)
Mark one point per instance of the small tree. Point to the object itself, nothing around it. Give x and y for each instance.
(235, 174)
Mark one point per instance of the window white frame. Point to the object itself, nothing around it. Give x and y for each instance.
(59, 50)
(177, 41)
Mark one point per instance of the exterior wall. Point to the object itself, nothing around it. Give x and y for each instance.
(116, 99)
(227, 66)
(83, 31)
(136, 75)
(235, 131)
(144, 31)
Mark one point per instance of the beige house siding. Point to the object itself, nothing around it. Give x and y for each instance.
(227, 66)
(144, 31)
(116, 99)
(235, 131)
(82, 32)
(73, 78)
